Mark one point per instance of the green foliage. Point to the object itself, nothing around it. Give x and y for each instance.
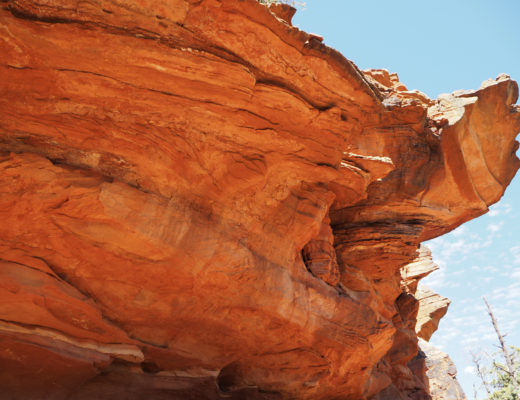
(506, 393)
(500, 380)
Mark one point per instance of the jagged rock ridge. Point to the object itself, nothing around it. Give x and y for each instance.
(201, 201)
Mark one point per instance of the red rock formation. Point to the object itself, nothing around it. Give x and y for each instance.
(169, 170)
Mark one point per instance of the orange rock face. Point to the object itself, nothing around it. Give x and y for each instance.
(201, 201)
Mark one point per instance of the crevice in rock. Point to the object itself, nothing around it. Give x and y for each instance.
(53, 276)
(228, 378)
(319, 254)
(150, 367)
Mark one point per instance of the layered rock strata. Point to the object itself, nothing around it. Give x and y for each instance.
(432, 369)
(432, 307)
(201, 201)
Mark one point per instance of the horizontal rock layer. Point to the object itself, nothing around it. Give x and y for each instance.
(201, 201)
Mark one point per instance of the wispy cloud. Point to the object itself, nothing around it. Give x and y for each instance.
(500, 209)
(483, 258)
(461, 230)
(493, 228)
(470, 369)
(515, 274)
(515, 252)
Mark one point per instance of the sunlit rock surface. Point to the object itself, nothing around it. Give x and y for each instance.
(431, 368)
(432, 307)
(201, 201)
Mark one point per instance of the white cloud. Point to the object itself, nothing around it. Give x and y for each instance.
(493, 213)
(436, 280)
(469, 370)
(500, 209)
(484, 259)
(459, 272)
(489, 336)
(515, 252)
(493, 228)
(461, 230)
(470, 341)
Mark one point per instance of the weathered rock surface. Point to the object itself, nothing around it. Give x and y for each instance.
(432, 307)
(201, 201)
(421, 266)
(433, 370)
(441, 373)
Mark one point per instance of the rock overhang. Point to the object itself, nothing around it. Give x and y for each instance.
(229, 195)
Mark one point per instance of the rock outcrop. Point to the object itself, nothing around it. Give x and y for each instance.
(201, 201)
(434, 371)
(432, 307)
(441, 373)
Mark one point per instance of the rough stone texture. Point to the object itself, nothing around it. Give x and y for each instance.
(168, 174)
(433, 370)
(432, 307)
(419, 268)
(441, 373)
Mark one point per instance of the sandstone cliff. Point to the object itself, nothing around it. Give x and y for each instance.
(200, 201)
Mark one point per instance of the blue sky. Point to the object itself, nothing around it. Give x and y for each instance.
(438, 47)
